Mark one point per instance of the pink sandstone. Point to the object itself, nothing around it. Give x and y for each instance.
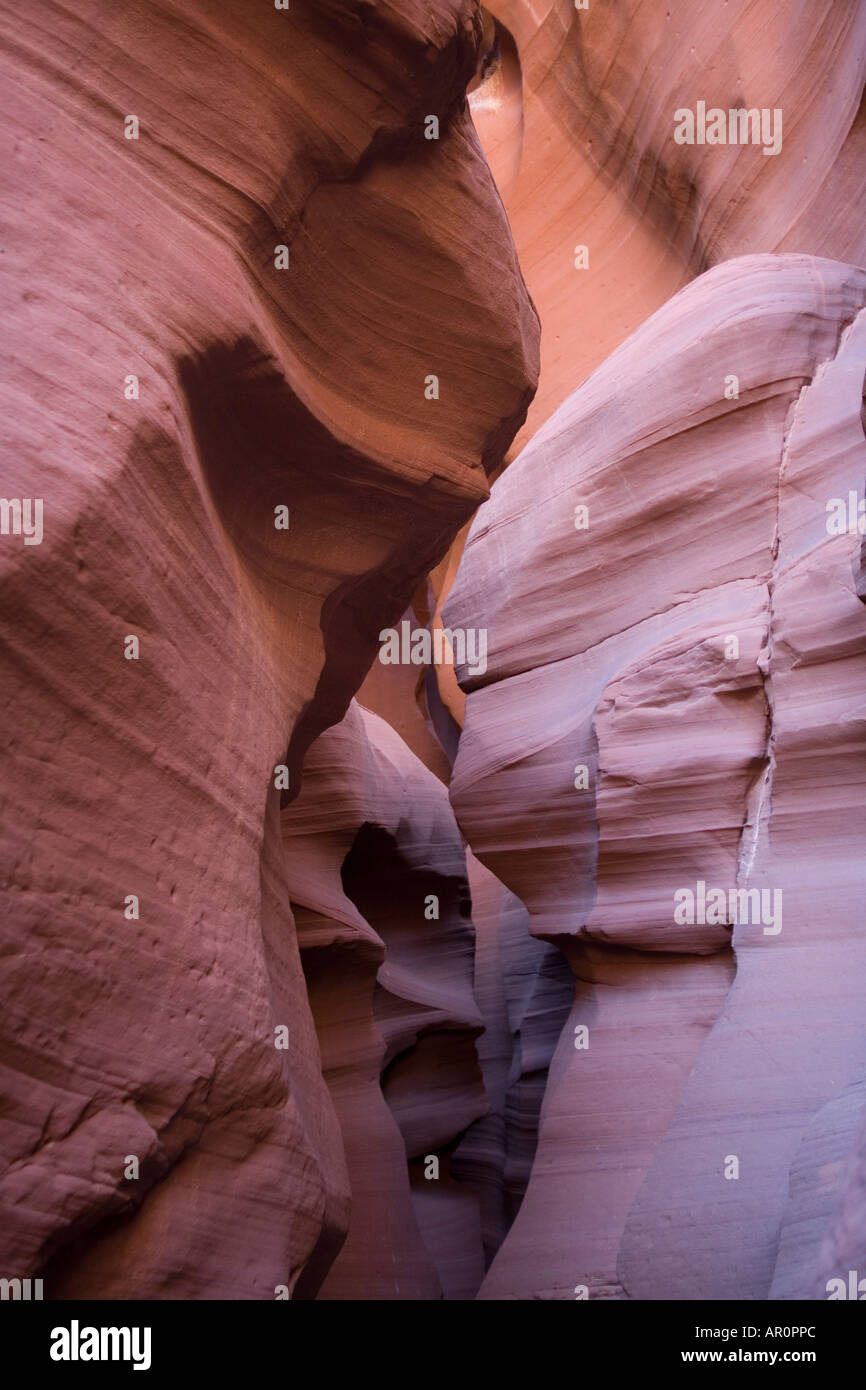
(707, 518)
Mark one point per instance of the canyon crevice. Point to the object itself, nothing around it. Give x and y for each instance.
(536, 972)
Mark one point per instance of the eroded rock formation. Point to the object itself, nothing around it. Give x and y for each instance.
(578, 116)
(276, 1023)
(679, 635)
(174, 377)
(377, 878)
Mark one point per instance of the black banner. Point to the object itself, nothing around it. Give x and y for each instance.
(167, 1339)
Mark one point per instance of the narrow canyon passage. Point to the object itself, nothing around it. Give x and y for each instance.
(433, 608)
(670, 716)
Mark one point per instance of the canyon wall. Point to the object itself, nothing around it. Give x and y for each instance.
(673, 698)
(219, 231)
(533, 978)
(578, 121)
(377, 877)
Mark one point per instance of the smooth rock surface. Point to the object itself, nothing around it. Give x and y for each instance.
(610, 650)
(374, 852)
(258, 387)
(577, 116)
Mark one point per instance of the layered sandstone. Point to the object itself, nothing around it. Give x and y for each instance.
(232, 311)
(577, 116)
(377, 878)
(673, 695)
(270, 1029)
(577, 111)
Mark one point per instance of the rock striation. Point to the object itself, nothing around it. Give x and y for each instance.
(578, 117)
(537, 975)
(668, 604)
(232, 262)
(377, 877)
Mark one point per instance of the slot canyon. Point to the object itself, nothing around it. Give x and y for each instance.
(522, 955)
